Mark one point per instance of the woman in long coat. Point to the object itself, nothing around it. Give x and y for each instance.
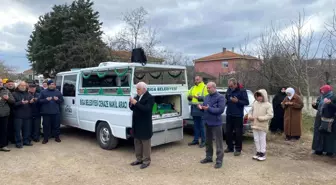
(326, 107)
(277, 123)
(293, 115)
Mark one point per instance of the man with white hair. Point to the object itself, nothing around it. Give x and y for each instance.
(213, 108)
(22, 115)
(142, 127)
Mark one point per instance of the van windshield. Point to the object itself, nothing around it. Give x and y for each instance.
(151, 75)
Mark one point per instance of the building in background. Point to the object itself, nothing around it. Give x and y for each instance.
(29, 75)
(125, 56)
(224, 63)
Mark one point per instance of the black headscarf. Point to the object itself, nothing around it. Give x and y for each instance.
(278, 98)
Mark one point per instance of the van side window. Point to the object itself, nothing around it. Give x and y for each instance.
(107, 82)
(151, 75)
(58, 82)
(110, 79)
(69, 85)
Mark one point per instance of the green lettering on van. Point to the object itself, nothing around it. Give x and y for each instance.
(161, 89)
(104, 103)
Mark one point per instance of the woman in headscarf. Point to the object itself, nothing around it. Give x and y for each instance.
(293, 114)
(325, 105)
(277, 123)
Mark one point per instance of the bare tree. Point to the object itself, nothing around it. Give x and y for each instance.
(136, 21)
(331, 26)
(287, 55)
(136, 33)
(298, 49)
(150, 41)
(331, 45)
(267, 72)
(7, 71)
(175, 58)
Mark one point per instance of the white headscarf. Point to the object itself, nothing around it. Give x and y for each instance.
(291, 91)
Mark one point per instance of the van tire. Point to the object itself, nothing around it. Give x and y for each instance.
(105, 137)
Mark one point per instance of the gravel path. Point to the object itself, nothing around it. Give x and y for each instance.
(78, 160)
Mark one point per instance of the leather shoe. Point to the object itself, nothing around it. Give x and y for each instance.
(143, 166)
(136, 163)
(58, 140)
(202, 145)
(44, 141)
(206, 160)
(237, 153)
(218, 165)
(193, 143)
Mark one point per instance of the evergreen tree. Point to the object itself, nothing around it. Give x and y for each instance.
(67, 37)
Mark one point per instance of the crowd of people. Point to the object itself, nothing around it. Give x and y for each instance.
(22, 110)
(25, 106)
(283, 116)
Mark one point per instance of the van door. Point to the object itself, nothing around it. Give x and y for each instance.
(69, 107)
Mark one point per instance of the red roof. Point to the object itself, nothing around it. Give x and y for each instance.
(224, 56)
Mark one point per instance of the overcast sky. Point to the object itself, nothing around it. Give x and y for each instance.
(196, 28)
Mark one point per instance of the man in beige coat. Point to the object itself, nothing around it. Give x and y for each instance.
(260, 115)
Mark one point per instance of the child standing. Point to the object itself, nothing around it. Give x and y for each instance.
(260, 115)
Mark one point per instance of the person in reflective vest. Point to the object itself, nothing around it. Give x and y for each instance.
(196, 96)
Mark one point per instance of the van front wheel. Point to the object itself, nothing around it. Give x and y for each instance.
(105, 137)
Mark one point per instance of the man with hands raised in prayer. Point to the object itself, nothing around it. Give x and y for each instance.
(22, 115)
(213, 108)
(50, 100)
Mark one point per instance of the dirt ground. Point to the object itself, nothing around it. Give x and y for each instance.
(78, 160)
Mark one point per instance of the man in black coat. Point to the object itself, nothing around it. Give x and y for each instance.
(36, 116)
(236, 100)
(142, 126)
(50, 101)
(10, 85)
(22, 115)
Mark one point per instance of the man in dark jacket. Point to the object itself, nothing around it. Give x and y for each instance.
(213, 107)
(6, 98)
(10, 85)
(236, 99)
(36, 116)
(50, 100)
(22, 115)
(142, 126)
(10, 129)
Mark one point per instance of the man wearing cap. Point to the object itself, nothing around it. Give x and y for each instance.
(10, 128)
(50, 100)
(36, 116)
(6, 98)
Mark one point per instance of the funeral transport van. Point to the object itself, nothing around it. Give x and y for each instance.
(96, 99)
